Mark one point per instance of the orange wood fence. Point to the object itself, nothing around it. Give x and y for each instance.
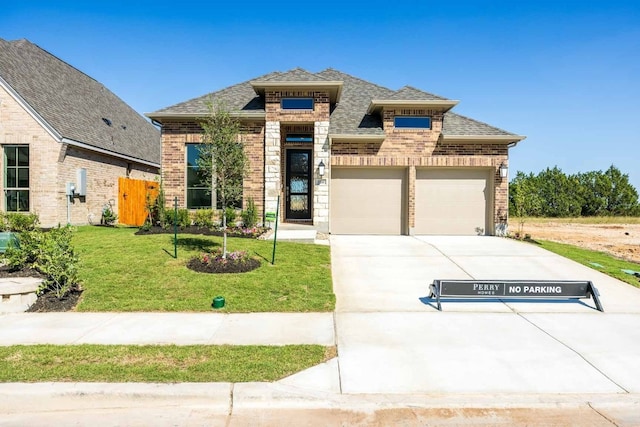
(134, 196)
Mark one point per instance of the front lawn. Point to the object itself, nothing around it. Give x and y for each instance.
(157, 363)
(610, 265)
(120, 271)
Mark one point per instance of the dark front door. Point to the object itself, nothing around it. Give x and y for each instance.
(298, 184)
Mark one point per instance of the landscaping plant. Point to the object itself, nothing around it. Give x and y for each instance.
(250, 214)
(222, 160)
(50, 253)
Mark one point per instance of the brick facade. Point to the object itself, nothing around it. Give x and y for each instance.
(413, 148)
(175, 136)
(53, 164)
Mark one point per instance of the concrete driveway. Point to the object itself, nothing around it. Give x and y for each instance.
(391, 339)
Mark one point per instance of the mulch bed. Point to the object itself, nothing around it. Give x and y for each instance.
(48, 301)
(230, 266)
(231, 232)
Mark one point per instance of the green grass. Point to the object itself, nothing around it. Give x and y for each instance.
(514, 221)
(118, 363)
(120, 271)
(610, 265)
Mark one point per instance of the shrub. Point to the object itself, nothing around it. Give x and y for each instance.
(183, 219)
(250, 214)
(203, 218)
(50, 253)
(18, 222)
(109, 217)
(231, 215)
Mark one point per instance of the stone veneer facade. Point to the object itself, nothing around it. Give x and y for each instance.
(53, 164)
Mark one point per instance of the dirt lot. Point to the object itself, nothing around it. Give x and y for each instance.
(620, 240)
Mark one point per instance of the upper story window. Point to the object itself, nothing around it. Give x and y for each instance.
(297, 103)
(412, 122)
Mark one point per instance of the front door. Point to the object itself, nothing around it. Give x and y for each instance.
(298, 184)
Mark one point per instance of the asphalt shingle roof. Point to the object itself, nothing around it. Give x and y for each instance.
(455, 124)
(295, 75)
(75, 104)
(349, 116)
(413, 94)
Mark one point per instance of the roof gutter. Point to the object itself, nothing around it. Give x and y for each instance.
(439, 104)
(110, 153)
(510, 140)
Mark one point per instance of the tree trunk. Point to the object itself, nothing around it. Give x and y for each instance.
(224, 232)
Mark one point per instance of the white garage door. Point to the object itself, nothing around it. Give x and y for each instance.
(452, 201)
(367, 200)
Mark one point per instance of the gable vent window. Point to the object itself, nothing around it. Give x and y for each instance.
(412, 122)
(297, 103)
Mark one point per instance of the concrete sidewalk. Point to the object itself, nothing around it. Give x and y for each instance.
(167, 328)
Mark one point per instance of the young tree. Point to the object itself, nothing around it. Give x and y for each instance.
(222, 161)
(523, 198)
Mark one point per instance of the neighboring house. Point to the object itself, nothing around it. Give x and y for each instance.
(350, 157)
(60, 126)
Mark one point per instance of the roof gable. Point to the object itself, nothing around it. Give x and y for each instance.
(74, 104)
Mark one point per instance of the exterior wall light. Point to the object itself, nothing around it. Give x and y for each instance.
(504, 170)
(321, 169)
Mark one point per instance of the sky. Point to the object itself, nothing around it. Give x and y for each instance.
(564, 73)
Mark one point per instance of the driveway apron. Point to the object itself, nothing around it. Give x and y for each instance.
(392, 339)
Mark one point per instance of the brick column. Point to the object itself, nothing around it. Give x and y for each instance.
(272, 179)
(321, 185)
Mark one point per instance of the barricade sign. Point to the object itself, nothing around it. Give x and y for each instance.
(521, 289)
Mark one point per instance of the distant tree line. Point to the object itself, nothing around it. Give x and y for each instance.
(552, 193)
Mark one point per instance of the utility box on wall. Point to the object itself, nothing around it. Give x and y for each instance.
(81, 182)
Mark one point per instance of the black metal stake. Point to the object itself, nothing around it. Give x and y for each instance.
(175, 228)
(275, 233)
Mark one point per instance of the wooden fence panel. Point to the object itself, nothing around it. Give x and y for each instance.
(132, 200)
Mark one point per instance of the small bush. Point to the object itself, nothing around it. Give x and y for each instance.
(203, 218)
(19, 222)
(50, 253)
(109, 217)
(250, 214)
(183, 220)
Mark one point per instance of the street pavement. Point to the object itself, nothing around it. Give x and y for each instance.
(400, 360)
